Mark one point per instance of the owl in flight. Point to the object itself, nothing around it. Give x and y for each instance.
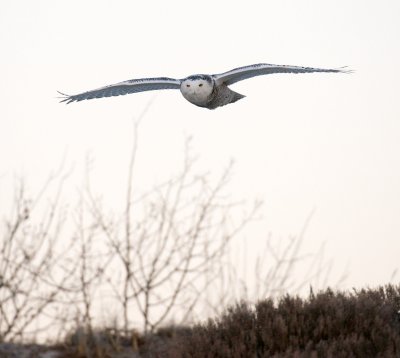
(208, 91)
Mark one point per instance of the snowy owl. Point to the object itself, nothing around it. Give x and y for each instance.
(208, 91)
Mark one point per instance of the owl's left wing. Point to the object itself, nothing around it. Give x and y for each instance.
(126, 87)
(242, 73)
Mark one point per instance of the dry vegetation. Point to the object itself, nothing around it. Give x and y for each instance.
(152, 262)
(359, 324)
(165, 257)
(363, 323)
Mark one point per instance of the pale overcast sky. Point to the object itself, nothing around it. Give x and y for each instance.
(323, 142)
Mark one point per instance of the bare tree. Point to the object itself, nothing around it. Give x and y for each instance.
(173, 238)
(27, 257)
(166, 253)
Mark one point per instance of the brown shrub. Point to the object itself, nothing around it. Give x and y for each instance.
(363, 323)
(359, 324)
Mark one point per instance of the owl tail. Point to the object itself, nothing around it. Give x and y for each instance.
(237, 96)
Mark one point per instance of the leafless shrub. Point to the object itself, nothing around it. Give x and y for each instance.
(167, 242)
(161, 257)
(271, 272)
(276, 266)
(27, 259)
(157, 257)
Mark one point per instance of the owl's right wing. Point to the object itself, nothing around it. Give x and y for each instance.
(126, 87)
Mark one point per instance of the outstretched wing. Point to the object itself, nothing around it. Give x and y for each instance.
(122, 88)
(242, 73)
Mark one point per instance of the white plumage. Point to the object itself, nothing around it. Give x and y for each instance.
(208, 91)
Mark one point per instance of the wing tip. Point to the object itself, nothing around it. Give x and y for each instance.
(66, 98)
(345, 69)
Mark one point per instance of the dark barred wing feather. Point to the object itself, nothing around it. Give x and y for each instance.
(126, 87)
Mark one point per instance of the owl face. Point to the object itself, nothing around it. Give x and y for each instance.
(197, 89)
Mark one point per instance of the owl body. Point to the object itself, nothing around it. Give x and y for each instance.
(203, 91)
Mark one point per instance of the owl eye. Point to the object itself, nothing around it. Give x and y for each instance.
(200, 84)
(187, 85)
